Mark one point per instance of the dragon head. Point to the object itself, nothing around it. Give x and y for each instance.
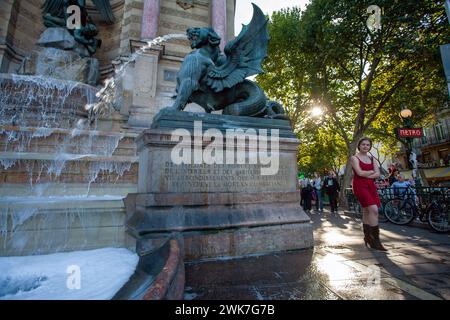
(200, 37)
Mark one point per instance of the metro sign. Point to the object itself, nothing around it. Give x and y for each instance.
(410, 132)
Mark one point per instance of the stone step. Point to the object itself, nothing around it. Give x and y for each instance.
(48, 155)
(39, 172)
(40, 226)
(168, 119)
(72, 189)
(40, 213)
(43, 101)
(24, 243)
(58, 142)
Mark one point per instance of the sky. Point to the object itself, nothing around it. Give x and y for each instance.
(244, 10)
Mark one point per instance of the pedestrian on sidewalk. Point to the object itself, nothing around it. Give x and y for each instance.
(392, 174)
(364, 189)
(306, 195)
(317, 184)
(400, 186)
(332, 188)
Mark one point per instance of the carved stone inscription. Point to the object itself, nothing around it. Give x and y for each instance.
(225, 178)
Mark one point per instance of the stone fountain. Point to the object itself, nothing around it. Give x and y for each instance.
(77, 174)
(64, 170)
(204, 176)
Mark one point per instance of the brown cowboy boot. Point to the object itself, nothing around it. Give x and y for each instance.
(376, 243)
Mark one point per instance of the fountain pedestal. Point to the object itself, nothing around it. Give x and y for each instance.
(219, 209)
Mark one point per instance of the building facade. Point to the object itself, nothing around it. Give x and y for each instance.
(433, 151)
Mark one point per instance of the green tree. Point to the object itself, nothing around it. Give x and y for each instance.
(327, 56)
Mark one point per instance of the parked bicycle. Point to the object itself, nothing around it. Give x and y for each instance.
(385, 195)
(353, 204)
(355, 207)
(406, 206)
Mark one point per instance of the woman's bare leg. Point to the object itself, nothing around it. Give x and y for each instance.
(365, 217)
(372, 216)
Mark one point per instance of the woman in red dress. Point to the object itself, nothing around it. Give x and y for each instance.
(365, 190)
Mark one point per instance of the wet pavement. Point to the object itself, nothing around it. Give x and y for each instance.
(417, 266)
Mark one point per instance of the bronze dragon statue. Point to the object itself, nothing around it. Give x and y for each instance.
(218, 82)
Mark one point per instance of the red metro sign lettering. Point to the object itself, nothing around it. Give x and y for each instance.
(410, 133)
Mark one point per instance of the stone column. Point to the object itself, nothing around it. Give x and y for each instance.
(219, 19)
(150, 19)
(143, 89)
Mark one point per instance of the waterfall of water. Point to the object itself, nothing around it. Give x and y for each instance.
(48, 131)
(106, 94)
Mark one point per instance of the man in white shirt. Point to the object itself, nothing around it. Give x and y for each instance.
(317, 184)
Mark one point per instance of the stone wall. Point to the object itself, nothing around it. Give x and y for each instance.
(110, 35)
(131, 24)
(21, 24)
(20, 27)
(175, 19)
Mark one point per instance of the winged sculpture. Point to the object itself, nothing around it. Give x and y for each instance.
(55, 14)
(217, 81)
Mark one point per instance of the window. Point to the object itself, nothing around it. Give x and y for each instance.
(425, 136)
(439, 129)
(427, 157)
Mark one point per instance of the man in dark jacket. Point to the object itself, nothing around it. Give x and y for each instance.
(306, 195)
(332, 188)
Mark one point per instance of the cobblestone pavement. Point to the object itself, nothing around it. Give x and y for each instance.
(417, 266)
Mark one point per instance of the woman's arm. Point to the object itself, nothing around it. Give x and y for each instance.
(359, 172)
(376, 173)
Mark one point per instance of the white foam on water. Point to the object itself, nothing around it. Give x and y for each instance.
(102, 273)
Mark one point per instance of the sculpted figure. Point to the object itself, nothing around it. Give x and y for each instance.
(55, 15)
(217, 81)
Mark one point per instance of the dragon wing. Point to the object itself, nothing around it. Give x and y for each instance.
(244, 54)
(54, 7)
(104, 6)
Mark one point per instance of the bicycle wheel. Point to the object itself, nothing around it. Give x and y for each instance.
(438, 218)
(399, 211)
(381, 215)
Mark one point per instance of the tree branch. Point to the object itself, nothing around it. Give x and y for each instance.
(383, 102)
(359, 123)
(349, 73)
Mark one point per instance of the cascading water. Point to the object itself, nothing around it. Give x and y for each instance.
(49, 142)
(107, 95)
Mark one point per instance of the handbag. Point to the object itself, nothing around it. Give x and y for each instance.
(314, 195)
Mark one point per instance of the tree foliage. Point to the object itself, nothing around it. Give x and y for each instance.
(327, 56)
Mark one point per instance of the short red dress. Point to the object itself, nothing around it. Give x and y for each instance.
(364, 188)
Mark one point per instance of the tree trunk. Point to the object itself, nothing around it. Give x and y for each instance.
(348, 174)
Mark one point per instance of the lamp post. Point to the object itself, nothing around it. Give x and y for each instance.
(406, 115)
(411, 160)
